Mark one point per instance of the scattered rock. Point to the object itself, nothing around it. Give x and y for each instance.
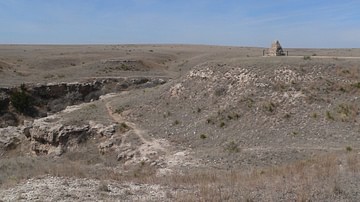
(54, 138)
(10, 137)
(176, 90)
(49, 188)
(103, 130)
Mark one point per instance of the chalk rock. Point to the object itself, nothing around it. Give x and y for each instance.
(10, 137)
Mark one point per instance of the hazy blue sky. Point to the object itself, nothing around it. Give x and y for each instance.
(296, 23)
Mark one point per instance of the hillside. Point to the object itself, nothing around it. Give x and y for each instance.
(180, 123)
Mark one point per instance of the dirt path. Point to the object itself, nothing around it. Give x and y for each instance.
(119, 119)
(150, 150)
(154, 151)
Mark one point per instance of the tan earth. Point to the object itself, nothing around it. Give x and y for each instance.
(178, 123)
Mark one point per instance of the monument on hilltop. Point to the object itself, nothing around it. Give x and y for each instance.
(276, 49)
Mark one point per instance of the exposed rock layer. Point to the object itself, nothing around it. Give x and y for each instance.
(53, 98)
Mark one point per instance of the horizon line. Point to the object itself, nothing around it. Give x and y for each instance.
(160, 44)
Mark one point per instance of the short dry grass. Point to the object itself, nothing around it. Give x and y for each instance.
(318, 178)
(300, 181)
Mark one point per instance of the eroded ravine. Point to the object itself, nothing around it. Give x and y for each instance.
(33, 101)
(45, 127)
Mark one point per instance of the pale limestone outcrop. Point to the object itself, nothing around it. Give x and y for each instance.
(10, 137)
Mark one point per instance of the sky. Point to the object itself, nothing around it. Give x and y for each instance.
(256, 23)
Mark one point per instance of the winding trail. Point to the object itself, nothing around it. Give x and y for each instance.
(119, 119)
(149, 148)
(154, 151)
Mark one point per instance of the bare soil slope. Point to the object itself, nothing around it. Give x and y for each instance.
(226, 124)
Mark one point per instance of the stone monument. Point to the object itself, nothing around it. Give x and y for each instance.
(276, 49)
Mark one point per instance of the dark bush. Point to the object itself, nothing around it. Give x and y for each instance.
(4, 104)
(21, 101)
(220, 91)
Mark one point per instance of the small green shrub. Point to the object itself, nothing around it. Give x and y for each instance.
(314, 115)
(119, 110)
(220, 91)
(203, 136)
(23, 87)
(344, 109)
(123, 127)
(176, 122)
(49, 76)
(348, 149)
(342, 89)
(21, 101)
(104, 187)
(270, 107)
(209, 121)
(167, 114)
(222, 124)
(124, 67)
(307, 57)
(250, 102)
(329, 116)
(232, 147)
(345, 71)
(356, 85)
(92, 106)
